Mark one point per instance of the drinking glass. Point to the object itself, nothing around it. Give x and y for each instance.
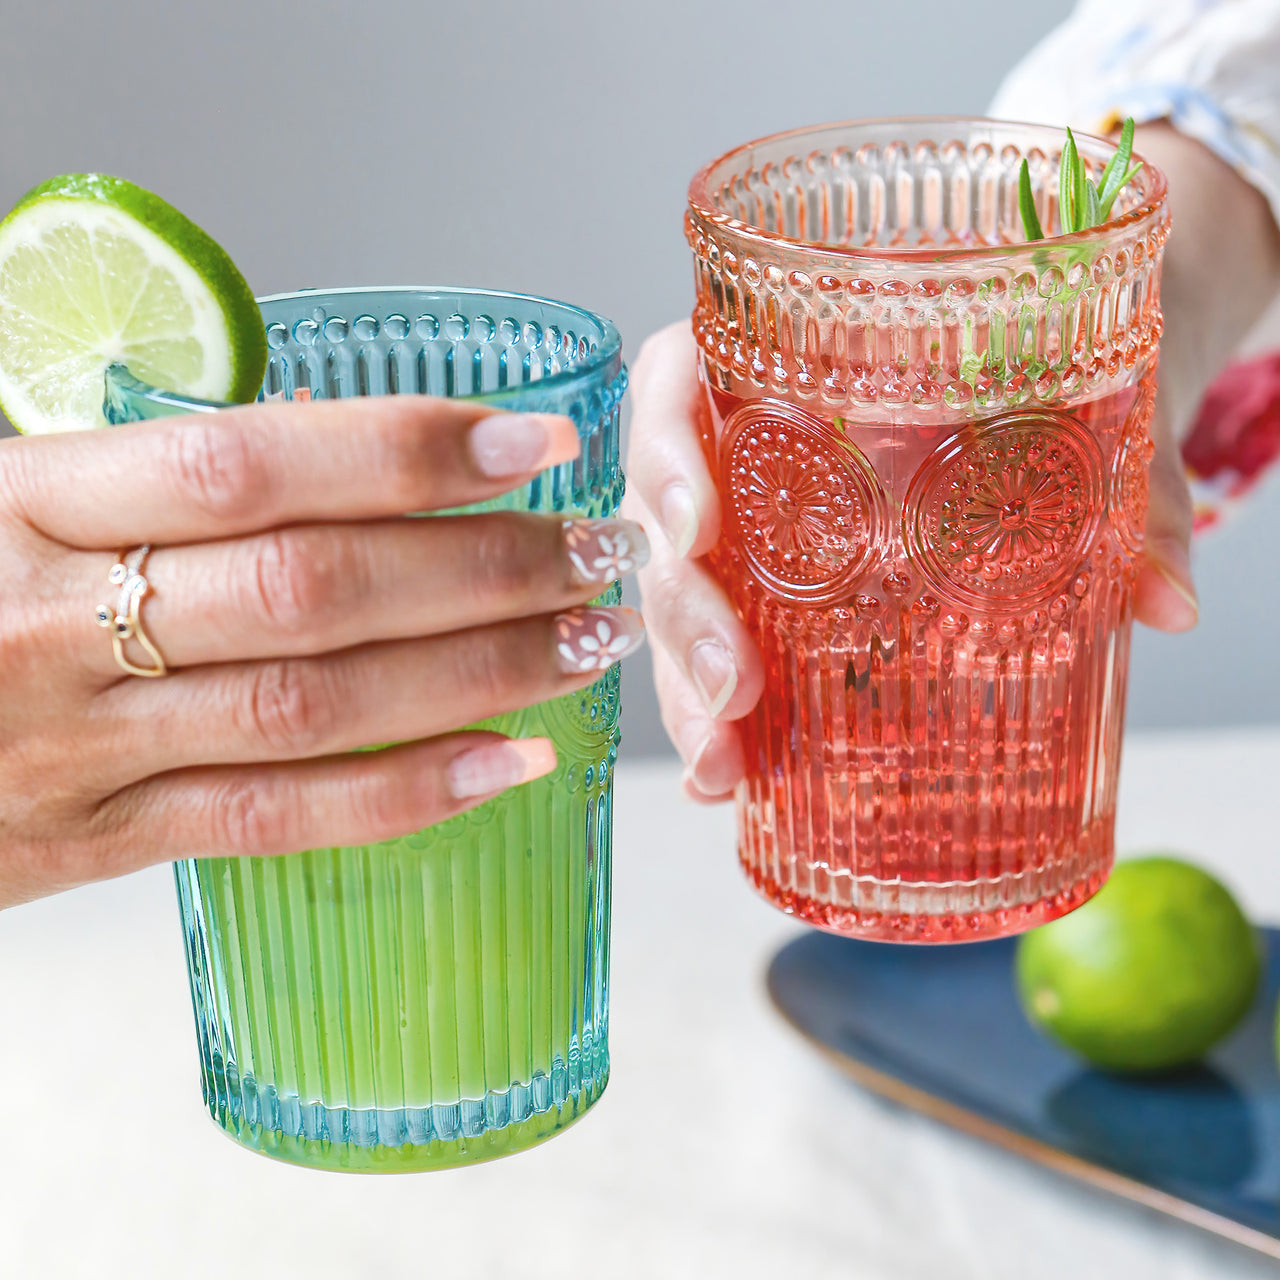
(930, 440)
(441, 998)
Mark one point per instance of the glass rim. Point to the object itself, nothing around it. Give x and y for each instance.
(608, 349)
(703, 208)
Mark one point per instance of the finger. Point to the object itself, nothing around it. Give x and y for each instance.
(315, 588)
(209, 476)
(278, 809)
(693, 620)
(1165, 596)
(304, 708)
(669, 418)
(710, 749)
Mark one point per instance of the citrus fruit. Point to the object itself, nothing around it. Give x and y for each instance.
(1149, 974)
(96, 271)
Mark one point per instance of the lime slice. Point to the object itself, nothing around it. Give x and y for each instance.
(1149, 975)
(95, 271)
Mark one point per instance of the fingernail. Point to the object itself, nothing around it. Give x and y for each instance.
(594, 639)
(689, 779)
(700, 771)
(1174, 566)
(679, 518)
(482, 771)
(715, 675)
(1184, 590)
(514, 444)
(602, 551)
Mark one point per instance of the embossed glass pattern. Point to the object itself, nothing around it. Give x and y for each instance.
(931, 443)
(442, 998)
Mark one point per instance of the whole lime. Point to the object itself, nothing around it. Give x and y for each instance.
(1149, 974)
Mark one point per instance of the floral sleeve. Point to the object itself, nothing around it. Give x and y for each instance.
(1212, 68)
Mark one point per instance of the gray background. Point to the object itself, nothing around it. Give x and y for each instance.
(538, 147)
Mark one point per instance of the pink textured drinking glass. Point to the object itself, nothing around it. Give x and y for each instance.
(931, 444)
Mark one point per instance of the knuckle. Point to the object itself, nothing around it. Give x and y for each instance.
(214, 467)
(384, 804)
(491, 666)
(667, 594)
(290, 708)
(503, 566)
(410, 455)
(294, 581)
(248, 820)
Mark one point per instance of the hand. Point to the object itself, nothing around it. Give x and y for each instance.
(1221, 272)
(1222, 268)
(705, 664)
(706, 667)
(301, 619)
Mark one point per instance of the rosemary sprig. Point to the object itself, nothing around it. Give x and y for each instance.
(1027, 205)
(1081, 204)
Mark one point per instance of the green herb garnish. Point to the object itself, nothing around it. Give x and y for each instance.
(1081, 204)
(1027, 205)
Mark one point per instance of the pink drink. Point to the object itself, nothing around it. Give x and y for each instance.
(932, 461)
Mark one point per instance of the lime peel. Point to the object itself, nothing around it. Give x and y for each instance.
(94, 271)
(1147, 976)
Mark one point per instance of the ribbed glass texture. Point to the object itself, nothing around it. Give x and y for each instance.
(931, 444)
(442, 998)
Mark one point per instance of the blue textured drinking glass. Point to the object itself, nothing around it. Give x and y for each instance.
(441, 998)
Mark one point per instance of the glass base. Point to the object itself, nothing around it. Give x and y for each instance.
(406, 1139)
(915, 916)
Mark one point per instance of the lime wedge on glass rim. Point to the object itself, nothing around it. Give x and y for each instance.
(95, 271)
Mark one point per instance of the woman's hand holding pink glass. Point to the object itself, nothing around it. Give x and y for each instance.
(706, 667)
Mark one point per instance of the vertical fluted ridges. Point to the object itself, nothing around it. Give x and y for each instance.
(442, 998)
(420, 1003)
(919, 780)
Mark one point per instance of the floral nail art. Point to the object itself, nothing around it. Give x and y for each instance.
(594, 639)
(603, 550)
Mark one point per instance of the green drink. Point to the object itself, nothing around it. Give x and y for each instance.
(441, 998)
(446, 994)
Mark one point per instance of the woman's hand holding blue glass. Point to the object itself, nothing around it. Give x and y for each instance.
(301, 618)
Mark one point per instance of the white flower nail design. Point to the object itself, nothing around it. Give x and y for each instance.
(594, 639)
(603, 550)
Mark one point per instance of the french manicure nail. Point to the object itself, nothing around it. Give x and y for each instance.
(514, 444)
(601, 551)
(1180, 582)
(700, 773)
(594, 639)
(679, 518)
(715, 675)
(486, 770)
(689, 779)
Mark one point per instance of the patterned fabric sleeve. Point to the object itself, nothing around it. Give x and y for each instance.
(1212, 68)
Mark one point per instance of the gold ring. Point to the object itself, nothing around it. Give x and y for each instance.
(125, 620)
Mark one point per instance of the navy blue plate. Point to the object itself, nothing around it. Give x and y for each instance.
(939, 1029)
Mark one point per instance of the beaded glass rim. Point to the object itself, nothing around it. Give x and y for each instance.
(607, 351)
(703, 207)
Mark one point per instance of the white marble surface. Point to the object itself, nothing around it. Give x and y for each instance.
(721, 1148)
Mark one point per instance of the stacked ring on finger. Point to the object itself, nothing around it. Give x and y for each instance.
(317, 639)
(300, 615)
(125, 620)
(312, 589)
